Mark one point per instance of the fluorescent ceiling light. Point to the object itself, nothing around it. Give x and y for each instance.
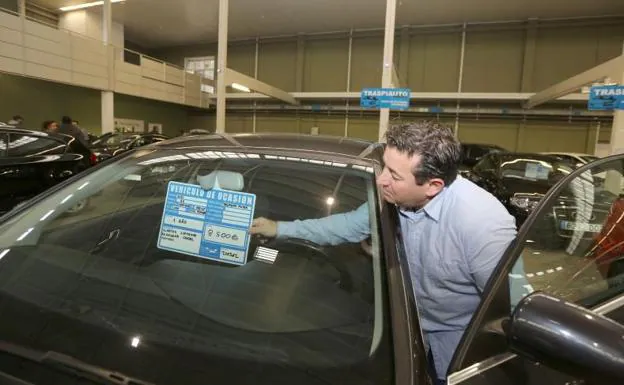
(240, 87)
(86, 5)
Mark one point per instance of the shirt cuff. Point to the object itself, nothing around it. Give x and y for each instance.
(285, 229)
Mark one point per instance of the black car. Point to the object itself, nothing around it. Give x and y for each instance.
(520, 181)
(33, 161)
(131, 291)
(473, 152)
(112, 144)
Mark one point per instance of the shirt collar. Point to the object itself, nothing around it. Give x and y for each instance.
(432, 209)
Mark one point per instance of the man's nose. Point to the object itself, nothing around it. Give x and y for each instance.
(382, 179)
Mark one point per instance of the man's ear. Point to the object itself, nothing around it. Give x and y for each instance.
(435, 186)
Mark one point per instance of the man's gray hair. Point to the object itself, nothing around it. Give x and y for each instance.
(439, 150)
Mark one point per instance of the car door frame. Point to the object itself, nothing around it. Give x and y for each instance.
(496, 304)
(410, 365)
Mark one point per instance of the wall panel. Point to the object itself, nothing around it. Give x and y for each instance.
(366, 62)
(325, 67)
(493, 61)
(277, 64)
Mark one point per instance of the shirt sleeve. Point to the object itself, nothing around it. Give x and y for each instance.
(486, 247)
(352, 226)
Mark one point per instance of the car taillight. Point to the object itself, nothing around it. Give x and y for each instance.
(93, 159)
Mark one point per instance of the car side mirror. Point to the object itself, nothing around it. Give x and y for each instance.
(567, 337)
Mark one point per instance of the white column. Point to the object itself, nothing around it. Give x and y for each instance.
(386, 77)
(108, 97)
(460, 80)
(255, 104)
(21, 8)
(616, 146)
(222, 64)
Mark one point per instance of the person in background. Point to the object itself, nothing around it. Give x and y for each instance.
(67, 127)
(454, 232)
(50, 126)
(17, 121)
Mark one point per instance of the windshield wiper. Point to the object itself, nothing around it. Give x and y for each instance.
(70, 365)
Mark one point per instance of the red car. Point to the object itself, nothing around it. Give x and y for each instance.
(608, 252)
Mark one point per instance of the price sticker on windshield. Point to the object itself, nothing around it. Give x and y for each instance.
(209, 224)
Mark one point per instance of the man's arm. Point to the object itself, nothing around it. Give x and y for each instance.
(486, 245)
(335, 229)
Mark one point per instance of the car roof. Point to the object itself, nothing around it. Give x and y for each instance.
(24, 131)
(529, 155)
(567, 153)
(349, 147)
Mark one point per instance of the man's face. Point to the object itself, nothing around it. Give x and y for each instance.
(398, 184)
(53, 127)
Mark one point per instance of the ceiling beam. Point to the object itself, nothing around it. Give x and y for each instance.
(256, 85)
(610, 69)
(415, 96)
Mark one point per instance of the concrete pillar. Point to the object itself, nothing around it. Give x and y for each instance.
(108, 97)
(388, 65)
(21, 8)
(529, 57)
(222, 64)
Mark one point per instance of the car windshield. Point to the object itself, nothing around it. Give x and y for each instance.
(113, 139)
(113, 257)
(539, 170)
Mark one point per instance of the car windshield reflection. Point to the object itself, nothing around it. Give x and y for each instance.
(318, 308)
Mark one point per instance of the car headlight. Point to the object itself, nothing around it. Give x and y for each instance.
(525, 201)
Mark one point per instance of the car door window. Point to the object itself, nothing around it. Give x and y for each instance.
(575, 249)
(572, 248)
(30, 145)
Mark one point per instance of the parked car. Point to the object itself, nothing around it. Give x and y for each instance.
(473, 152)
(133, 293)
(520, 181)
(579, 159)
(33, 161)
(607, 251)
(112, 144)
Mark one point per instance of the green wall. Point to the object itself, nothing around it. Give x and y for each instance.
(513, 57)
(39, 100)
(173, 117)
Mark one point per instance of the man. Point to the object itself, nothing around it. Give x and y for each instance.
(50, 126)
(17, 121)
(454, 232)
(68, 127)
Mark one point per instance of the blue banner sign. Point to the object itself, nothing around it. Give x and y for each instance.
(392, 98)
(210, 224)
(606, 98)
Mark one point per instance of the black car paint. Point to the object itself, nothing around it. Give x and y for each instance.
(27, 175)
(127, 141)
(112, 350)
(473, 152)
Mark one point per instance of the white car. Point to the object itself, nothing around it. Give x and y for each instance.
(579, 159)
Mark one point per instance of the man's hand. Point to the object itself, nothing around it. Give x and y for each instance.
(265, 227)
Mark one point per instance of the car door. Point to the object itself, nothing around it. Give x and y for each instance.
(586, 268)
(32, 164)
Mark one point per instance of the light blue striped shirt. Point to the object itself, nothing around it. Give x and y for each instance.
(452, 246)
